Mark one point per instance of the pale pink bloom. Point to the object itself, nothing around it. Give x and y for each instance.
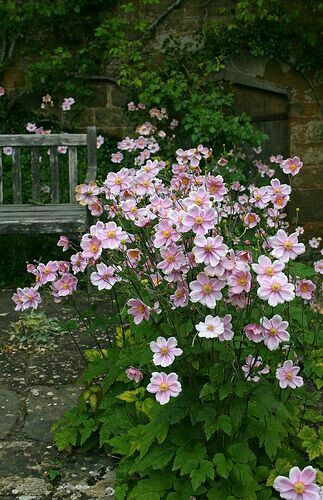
(131, 106)
(64, 286)
(200, 198)
(276, 290)
(144, 184)
(173, 124)
(291, 165)
(287, 376)
(285, 247)
(30, 268)
(299, 230)
(67, 103)
(216, 186)
(63, 266)
(79, 262)
(211, 328)
(205, 152)
(305, 289)
(7, 150)
(209, 250)
(277, 188)
(105, 277)
(267, 268)
(254, 332)
(253, 368)
(276, 159)
(199, 221)
(63, 242)
(112, 236)
(257, 150)
(318, 266)
(126, 144)
(117, 157)
(138, 310)
(31, 298)
(228, 333)
(86, 194)
(260, 198)
(134, 374)
(133, 256)
(2, 91)
(48, 271)
(18, 299)
(239, 281)
(165, 351)
(280, 201)
(91, 246)
(129, 209)
(165, 234)
(239, 300)
(299, 486)
(274, 331)
(222, 161)
(180, 296)
(314, 242)
(62, 150)
(173, 258)
(96, 208)
(206, 291)
(274, 217)
(99, 141)
(160, 206)
(31, 127)
(251, 219)
(164, 386)
(117, 182)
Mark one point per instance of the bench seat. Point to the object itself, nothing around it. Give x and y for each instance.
(54, 218)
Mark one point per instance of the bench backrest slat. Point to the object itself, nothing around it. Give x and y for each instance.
(91, 154)
(44, 140)
(72, 171)
(1, 179)
(35, 173)
(54, 175)
(16, 176)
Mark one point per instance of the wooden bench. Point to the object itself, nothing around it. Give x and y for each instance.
(55, 217)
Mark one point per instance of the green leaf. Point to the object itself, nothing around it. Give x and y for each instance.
(241, 453)
(131, 396)
(224, 423)
(196, 453)
(223, 465)
(65, 436)
(242, 474)
(311, 442)
(224, 391)
(198, 476)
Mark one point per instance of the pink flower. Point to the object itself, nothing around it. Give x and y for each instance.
(7, 150)
(318, 266)
(86, 194)
(276, 188)
(79, 262)
(239, 281)
(216, 187)
(104, 278)
(165, 351)
(173, 258)
(285, 247)
(206, 291)
(2, 91)
(200, 198)
(111, 236)
(180, 296)
(62, 150)
(209, 250)
(252, 369)
(117, 157)
(222, 161)
(91, 246)
(274, 331)
(276, 290)
(99, 141)
(67, 103)
(31, 127)
(211, 328)
(251, 219)
(48, 271)
(164, 386)
(299, 486)
(266, 268)
(287, 376)
(63, 242)
(304, 289)
(260, 197)
(254, 332)
(165, 234)
(64, 286)
(228, 333)
(291, 165)
(138, 310)
(199, 221)
(18, 299)
(134, 374)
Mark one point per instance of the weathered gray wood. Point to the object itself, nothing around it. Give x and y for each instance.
(39, 219)
(43, 140)
(249, 81)
(91, 154)
(72, 171)
(54, 175)
(1, 178)
(16, 176)
(35, 173)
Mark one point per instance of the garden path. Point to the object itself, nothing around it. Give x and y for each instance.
(37, 385)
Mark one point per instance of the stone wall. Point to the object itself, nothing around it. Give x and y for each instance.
(304, 116)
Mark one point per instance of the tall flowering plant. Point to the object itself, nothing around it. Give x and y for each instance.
(208, 388)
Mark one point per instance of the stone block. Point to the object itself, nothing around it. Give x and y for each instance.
(10, 411)
(310, 175)
(109, 117)
(305, 132)
(99, 97)
(310, 203)
(117, 98)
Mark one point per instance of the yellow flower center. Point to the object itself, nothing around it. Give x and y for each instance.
(207, 288)
(163, 387)
(198, 200)
(166, 234)
(145, 183)
(276, 287)
(270, 271)
(288, 245)
(299, 487)
(304, 287)
(111, 234)
(210, 328)
(251, 218)
(140, 309)
(214, 189)
(273, 331)
(118, 180)
(170, 258)
(290, 375)
(94, 248)
(199, 220)
(164, 350)
(208, 248)
(242, 281)
(293, 167)
(29, 296)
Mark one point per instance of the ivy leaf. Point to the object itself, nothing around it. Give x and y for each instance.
(311, 442)
(241, 453)
(223, 465)
(224, 423)
(199, 475)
